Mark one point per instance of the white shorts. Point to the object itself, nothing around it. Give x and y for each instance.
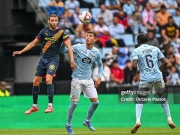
(158, 86)
(85, 86)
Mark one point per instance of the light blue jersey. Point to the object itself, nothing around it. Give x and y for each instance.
(85, 59)
(148, 58)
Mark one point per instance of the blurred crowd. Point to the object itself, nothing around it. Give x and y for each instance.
(111, 19)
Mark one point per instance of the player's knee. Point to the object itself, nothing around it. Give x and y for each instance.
(74, 103)
(96, 102)
(36, 82)
(48, 81)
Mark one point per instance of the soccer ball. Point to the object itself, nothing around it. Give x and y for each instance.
(85, 17)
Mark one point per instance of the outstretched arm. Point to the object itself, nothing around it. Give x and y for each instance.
(70, 50)
(27, 48)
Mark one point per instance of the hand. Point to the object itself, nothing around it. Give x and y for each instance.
(73, 65)
(97, 83)
(136, 78)
(16, 53)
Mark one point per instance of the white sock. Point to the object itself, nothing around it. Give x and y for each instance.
(169, 118)
(34, 105)
(138, 120)
(50, 104)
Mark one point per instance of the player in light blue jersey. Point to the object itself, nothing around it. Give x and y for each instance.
(147, 58)
(84, 56)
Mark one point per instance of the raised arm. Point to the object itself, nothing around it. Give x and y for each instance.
(27, 48)
(70, 50)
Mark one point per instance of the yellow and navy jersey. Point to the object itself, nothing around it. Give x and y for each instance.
(52, 40)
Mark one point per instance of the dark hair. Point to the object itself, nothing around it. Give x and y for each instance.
(170, 17)
(142, 38)
(91, 32)
(163, 7)
(127, 61)
(103, 60)
(52, 15)
(115, 61)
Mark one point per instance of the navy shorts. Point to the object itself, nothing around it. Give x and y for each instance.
(47, 66)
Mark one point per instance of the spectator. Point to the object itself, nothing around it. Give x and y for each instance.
(152, 39)
(129, 8)
(71, 5)
(117, 75)
(106, 14)
(171, 4)
(123, 19)
(135, 24)
(57, 3)
(169, 50)
(162, 17)
(3, 89)
(83, 27)
(122, 2)
(122, 58)
(55, 7)
(128, 73)
(178, 2)
(76, 18)
(173, 77)
(106, 72)
(177, 13)
(170, 32)
(111, 55)
(141, 3)
(81, 38)
(113, 5)
(66, 21)
(156, 4)
(116, 30)
(149, 18)
(102, 32)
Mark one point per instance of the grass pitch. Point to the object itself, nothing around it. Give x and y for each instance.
(99, 131)
(111, 118)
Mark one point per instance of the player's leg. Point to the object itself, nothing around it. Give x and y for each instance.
(160, 90)
(51, 70)
(143, 90)
(74, 97)
(50, 92)
(40, 71)
(91, 93)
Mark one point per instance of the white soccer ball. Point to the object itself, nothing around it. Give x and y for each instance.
(85, 17)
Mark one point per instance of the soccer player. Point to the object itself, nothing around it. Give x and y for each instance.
(147, 58)
(52, 37)
(85, 55)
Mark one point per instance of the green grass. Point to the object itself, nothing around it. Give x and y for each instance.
(99, 131)
(110, 118)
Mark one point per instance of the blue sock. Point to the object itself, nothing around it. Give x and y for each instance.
(50, 92)
(35, 92)
(139, 108)
(71, 111)
(91, 110)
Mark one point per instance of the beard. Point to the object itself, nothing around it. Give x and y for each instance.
(52, 26)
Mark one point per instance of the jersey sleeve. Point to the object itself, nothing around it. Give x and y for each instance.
(134, 55)
(65, 36)
(40, 35)
(100, 65)
(160, 54)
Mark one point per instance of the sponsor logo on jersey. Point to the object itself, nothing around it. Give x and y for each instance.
(86, 60)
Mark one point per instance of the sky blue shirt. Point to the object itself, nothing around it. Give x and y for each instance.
(148, 58)
(85, 59)
(128, 9)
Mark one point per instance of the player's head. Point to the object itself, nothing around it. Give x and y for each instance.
(53, 21)
(142, 38)
(90, 38)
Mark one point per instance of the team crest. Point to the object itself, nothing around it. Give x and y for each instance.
(52, 67)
